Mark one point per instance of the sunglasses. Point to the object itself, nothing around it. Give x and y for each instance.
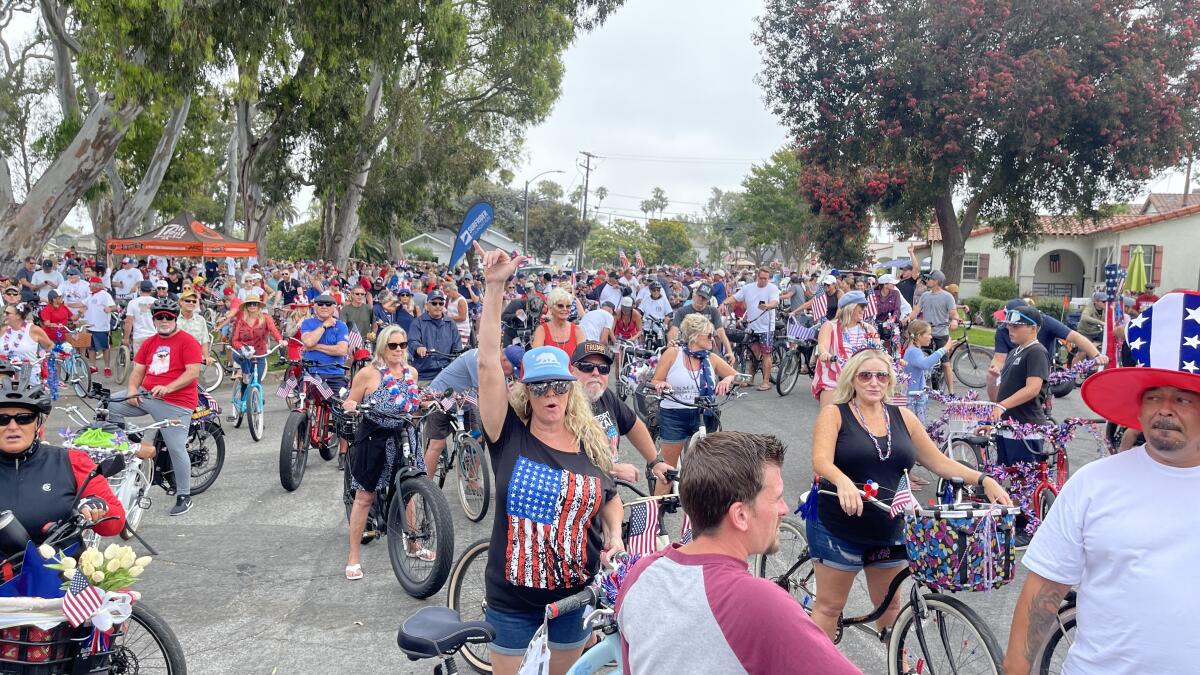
(360, 295)
(865, 376)
(21, 418)
(11, 293)
(397, 345)
(1014, 317)
(436, 303)
(164, 317)
(540, 389)
(323, 304)
(562, 306)
(189, 302)
(586, 367)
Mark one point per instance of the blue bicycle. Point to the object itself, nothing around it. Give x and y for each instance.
(248, 398)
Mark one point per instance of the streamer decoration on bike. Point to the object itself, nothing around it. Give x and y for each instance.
(1084, 367)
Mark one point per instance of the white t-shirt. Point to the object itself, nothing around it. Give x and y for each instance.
(40, 277)
(125, 281)
(656, 309)
(74, 293)
(143, 321)
(594, 322)
(611, 294)
(97, 320)
(751, 294)
(1124, 531)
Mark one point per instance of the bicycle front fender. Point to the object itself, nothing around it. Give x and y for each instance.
(598, 657)
(404, 473)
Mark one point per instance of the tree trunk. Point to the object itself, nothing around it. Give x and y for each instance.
(25, 228)
(6, 188)
(136, 212)
(231, 167)
(256, 213)
(953, 238)
(336, 243)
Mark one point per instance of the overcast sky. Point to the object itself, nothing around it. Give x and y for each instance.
(660, 92)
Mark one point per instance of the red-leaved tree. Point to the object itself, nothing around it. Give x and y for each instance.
(1003, 107)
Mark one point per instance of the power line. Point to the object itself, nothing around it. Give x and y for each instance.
(673, 201)
(682, 159)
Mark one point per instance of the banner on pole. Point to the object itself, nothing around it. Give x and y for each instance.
(479, 218)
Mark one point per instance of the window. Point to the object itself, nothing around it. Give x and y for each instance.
(1102, 256)
(1147, 257)
(970, 267)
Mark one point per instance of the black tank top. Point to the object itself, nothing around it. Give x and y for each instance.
(855, 455)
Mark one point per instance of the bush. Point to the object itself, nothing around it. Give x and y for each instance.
(1052, 307)
(1001, 288)
(988, 307)
(419, 253)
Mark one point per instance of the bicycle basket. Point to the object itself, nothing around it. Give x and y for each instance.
(28, 650)
(962, 547)
(964, 417)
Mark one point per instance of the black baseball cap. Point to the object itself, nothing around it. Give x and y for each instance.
(591, 348)
(704, 290)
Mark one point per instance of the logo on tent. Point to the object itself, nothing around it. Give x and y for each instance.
(171, 231)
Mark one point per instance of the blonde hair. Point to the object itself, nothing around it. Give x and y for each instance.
(845, 315)
(693, 325)
(559, 294)
(845, 382)
(579, 419)
(381, 348)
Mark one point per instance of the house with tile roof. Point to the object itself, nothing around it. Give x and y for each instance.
(1071, 255)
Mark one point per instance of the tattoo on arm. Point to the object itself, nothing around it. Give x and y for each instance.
(1043, 618)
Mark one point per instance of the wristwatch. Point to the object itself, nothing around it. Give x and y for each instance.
(654, 462)
(982, 476)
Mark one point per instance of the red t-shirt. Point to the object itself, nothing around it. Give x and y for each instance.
(55, 315)
(165, 359)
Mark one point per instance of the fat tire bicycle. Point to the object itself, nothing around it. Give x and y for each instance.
(309, 425)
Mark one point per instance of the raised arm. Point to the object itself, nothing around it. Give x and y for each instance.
(493, 393)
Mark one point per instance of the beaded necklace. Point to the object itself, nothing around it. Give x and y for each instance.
(862, 422)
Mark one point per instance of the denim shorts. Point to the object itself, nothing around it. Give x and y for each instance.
(514, 630)
(848, 556)
(100, 341)
(676, 425)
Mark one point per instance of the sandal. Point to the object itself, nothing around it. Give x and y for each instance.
(423, 554)
(354, 572)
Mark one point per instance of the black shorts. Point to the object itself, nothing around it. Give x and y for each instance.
(940, 341)
(437, 425)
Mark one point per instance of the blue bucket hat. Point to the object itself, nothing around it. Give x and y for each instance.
(514, 354)
(852, 298)
(543, 364)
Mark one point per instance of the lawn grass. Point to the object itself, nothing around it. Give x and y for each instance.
(981, 337)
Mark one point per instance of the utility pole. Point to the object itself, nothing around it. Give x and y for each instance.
(587, 173)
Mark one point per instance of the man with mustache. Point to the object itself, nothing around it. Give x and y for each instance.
(1123, 529)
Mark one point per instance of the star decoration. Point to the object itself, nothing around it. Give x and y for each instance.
(1193, 314)
(1193, 342)
(1137, 344)
(1190, 366)
(1137, 323)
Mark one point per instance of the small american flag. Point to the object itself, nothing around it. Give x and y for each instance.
(354, 341)
(624, 259)
(286, 387)
(798, 331)
(82, 600)
(872, 300)
(322, 388)
(904, 498)
(820, 305)
(470, 397)
(685, 533)
(643, 528)
(637, 257)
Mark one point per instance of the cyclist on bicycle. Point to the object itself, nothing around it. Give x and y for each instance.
(1091, 320)
(733, 492)
(166, 367)
(591, 364)
(1120, 528)
(1051, 331)
(838, 340)
(761, 300)
(97, 317)
(40, 482)
(325, 341)
(390, 387)
(859, 438)
(700, 304)
(433, 331)
(251, 328)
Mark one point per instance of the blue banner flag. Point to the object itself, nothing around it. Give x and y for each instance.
(479, 218)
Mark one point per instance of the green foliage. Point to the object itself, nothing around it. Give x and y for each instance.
(1001, 288)
(1052, 307)
(419, 253)
(772, 212)
(671, 238)
(299, 242)
(548, 189)
(555, 227)
(605, 242)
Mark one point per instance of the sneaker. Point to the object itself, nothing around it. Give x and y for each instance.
(1022, 540)
(107, 372)
(183, 504)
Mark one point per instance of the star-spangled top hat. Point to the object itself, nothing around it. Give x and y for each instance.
(1165, 342)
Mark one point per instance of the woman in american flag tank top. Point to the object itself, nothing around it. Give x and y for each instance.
(557, 507)
(838, 340)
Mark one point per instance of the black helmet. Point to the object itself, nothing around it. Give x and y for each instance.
(168, 305)
(536, 306)
(14, 394)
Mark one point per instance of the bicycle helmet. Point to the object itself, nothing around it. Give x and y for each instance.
(14, 394)
(169, 305)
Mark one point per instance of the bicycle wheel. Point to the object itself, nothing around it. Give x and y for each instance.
(211, 376)
(1043, 499)
(80, 375)
(970, 365)
(206, 448)
(948, 637)
(293, 450)
(143, 478)
(254, 413)
(147, 645)
(122, 364)
(418, 521)
(790, 566)
(474, 478)
(967, 454)
(328, 447)
(1054, 655)
(466, 596)
(789, 373)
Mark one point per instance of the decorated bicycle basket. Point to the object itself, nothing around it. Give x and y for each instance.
(101, 442)
(962, 547)
(50, 626)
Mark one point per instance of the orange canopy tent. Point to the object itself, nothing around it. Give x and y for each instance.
(183, 236)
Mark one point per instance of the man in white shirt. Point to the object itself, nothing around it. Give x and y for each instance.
(45, 280)
(74, 291)
(1123, 529)
(761, 299)
(652, 302)
(139, 323)
(125, 280)
(96, 318)
(597, 324)
(612, 289)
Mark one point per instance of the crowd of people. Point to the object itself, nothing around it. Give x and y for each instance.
(537, 351)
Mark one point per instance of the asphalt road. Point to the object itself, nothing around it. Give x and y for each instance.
(251, 580)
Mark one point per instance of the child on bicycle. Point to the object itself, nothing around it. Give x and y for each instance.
(917, 364)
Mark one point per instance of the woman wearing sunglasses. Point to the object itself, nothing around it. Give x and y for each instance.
(857, 439)
(389, 387)
(557, 507)
(22, 342)
(559, 331)
(40, 482)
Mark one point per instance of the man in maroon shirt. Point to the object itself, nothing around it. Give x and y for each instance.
(162, 384)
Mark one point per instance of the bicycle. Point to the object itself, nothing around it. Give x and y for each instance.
(70, 365)
(410, 510)
(309, 425)
(749, 361)
(143, 641)
(247, 399)
(966, 643)
(709, 407)
(969, 362)
(637, 365)
(1050, 657)
(204, 430)
(799, 344)
(465, 455)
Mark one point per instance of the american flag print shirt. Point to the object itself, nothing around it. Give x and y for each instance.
(550, 511)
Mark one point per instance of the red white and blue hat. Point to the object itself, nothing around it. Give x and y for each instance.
(1165, 342)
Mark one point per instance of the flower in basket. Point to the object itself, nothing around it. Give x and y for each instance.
(117, 568)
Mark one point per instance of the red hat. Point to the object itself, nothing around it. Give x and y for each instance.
(95, 280)
(1165, 342)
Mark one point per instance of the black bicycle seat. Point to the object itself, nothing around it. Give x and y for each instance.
(434, 631)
